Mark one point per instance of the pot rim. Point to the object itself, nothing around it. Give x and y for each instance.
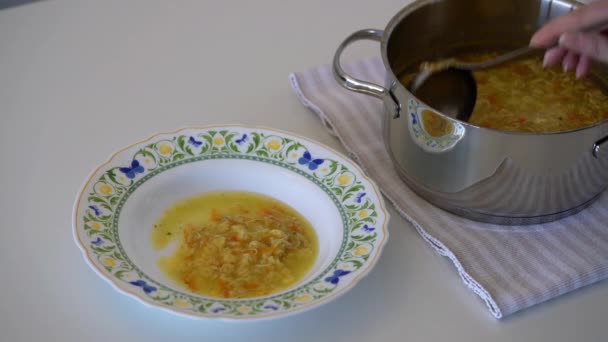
(407, 10)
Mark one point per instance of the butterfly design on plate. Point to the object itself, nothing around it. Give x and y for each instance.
(242, 139)
(96, 210)
(359, 197)
(307, 159)
(194, 142)
(97, 242)
(271, 307)
(414, 119)
(367, 228)
(147, 288)
(335, 278)
(133, 170)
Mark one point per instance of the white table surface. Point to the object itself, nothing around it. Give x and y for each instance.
(81, 79)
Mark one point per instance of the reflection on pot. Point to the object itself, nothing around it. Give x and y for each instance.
(433, 132)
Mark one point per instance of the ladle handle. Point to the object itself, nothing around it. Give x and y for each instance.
(595, 27)
(521, 52)
(352, 83)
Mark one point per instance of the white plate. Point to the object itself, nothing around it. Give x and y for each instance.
(122, 199)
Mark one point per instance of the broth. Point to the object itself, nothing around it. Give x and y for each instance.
(235, 244)
(522, 96)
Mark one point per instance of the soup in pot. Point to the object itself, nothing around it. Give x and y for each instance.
(523, 96)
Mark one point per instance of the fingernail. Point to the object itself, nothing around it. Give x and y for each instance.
(545, 60)
(564, 39)
(565, 66)
(567, 40)
(579, 73)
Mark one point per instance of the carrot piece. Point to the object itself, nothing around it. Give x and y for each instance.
(251, 286)
(522, 70)
(223, 288)
(573, 117)
(492, 99)
(190, 283)
(522, 120)
(234, 238)
(268, 250)
(557, 86)
(215, 216)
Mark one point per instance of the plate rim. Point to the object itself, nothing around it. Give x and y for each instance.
(224, 317)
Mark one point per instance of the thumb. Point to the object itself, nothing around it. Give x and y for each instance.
(592, 45)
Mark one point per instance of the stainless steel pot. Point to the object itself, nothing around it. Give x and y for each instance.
(479, 173)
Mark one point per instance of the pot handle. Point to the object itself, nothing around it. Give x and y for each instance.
(350, 82)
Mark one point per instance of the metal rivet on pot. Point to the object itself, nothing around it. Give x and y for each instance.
(597, 145)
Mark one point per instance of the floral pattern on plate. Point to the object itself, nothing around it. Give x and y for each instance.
(364, 230)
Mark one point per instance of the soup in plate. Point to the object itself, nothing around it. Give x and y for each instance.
(233, 244)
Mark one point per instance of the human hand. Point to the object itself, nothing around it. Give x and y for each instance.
(576, 51)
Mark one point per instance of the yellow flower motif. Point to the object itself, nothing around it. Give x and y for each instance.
(274, 145)
(110, 262)
(95, 226)
(165, 149)
(324, 169)
(362, 214)
(360, 250)
(218, 141)
(147, 161)
(181, 303)
(105, 189)
(244, 309)
(122, 178)
(343, 180)
(294, 155)
(304, 298)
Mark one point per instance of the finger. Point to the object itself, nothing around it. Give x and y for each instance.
(593, 45)
(583, 67)
(573, 21)
(554, 56)
(570, 61)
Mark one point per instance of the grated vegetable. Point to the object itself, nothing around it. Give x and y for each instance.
(235, 244)
(522, 96)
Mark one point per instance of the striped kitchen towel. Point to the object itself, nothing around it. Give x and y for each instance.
(509, 267)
